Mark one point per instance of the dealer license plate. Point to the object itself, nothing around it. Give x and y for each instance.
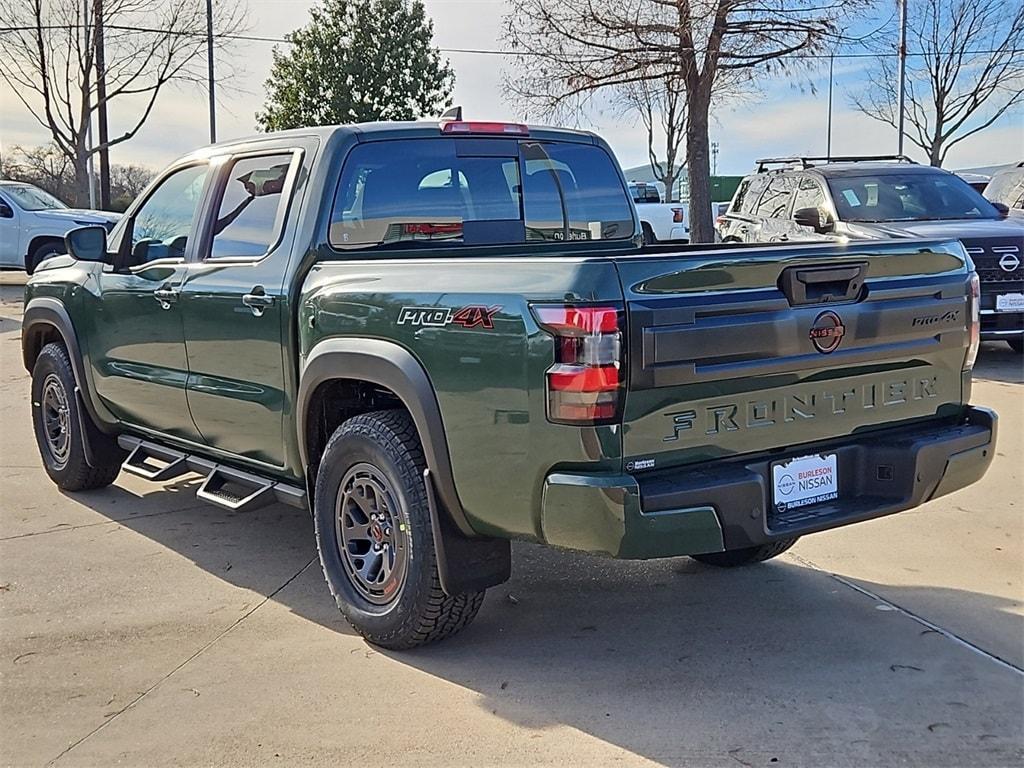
(805, 480)
(1010, 302)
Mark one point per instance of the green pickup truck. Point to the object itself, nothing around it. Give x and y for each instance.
(439, 337)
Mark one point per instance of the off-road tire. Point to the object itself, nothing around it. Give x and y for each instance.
(42, 252)
(67, 467)
(734, 558)
(1017, 345)
(420, 612)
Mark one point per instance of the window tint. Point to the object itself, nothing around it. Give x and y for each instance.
(774, 201)
(808, 195)
(248, 218)
(422, 192)
(161, 226)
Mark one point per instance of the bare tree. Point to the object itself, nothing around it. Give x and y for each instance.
(965, 70)
(661, 106)
(127, 183)
(568, 49)
(51, 68)
(43, 166)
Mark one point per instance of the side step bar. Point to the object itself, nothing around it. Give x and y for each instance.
(224, 486)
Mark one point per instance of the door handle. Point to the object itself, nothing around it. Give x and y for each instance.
(166, 296)
(257, 300)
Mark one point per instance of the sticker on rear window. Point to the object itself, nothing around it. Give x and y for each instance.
(851, 198)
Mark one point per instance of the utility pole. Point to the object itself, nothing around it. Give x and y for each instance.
(101, 107)
(831, 64)
(903, 73)
(209, 65)
(714, 158)
(87, 110)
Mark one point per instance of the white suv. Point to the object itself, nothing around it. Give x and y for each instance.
(33, 224)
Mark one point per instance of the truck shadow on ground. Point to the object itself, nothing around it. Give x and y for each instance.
(667, 659)
(997, 362)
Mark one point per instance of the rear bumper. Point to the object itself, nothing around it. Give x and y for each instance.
(727, 505)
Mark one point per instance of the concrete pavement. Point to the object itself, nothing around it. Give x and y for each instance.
(140, 627)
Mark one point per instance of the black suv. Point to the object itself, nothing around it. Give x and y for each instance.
(855, 198)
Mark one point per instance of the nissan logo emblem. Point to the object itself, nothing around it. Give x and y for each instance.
(1009, 262)
(827, 332)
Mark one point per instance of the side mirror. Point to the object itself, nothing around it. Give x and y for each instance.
(1001, 208)
(87, 243)
(813, 218)
(5, 211)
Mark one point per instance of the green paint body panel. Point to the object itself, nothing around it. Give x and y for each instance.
(210, 377)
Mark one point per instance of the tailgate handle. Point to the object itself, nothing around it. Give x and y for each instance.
(822, 285)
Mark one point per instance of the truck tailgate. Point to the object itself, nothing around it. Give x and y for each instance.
(763, 349)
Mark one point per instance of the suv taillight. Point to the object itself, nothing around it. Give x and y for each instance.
(585, 385)
(678, 215)
(974, 320)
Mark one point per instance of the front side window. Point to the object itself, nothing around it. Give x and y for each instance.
(160, 228)
(405, 194)
(251, 208)
(808, 195)
(907, 196)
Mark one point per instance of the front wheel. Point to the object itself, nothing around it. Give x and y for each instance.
(43, 252)
(734, 558)
(374, 535)
(58, 425)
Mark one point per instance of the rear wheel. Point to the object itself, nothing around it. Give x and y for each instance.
(374, 535)
(649, 238)
(58, 425)
(736, 557)
(1017, 345)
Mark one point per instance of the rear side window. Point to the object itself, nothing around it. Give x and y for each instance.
(775, 200)
(252, 207)
(414, 193)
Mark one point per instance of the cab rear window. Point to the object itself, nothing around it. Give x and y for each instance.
(421, 193)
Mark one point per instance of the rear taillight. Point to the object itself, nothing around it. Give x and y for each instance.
(585, 384)
(677, 215)
(720, 220)
(974, 321)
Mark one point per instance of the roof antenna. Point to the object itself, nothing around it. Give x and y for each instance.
(453, 113)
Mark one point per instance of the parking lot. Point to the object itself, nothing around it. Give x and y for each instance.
(141, 627)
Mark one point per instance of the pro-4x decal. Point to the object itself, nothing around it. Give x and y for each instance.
(471, 316)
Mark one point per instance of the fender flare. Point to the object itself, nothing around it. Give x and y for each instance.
(48, 311)
(391, 366)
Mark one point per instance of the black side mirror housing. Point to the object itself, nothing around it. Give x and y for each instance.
(1001, 208)
(814, 218)
(87, 244)
(5, 211)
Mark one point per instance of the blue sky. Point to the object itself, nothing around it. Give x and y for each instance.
(788, 115)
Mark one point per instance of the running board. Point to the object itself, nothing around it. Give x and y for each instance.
(236, 491)
(154, 462)
(224, 486)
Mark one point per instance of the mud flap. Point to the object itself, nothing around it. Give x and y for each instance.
(465, 564)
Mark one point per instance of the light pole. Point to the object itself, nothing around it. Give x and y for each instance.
(903, 74)
(87, 109)
(714, 158)
(209, 69)
(831, 65)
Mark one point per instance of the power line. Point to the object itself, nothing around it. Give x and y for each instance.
(472, 51)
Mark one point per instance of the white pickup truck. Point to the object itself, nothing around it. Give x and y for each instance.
(661, 222)
(33, 224)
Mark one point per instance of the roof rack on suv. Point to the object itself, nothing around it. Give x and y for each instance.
(810, 162)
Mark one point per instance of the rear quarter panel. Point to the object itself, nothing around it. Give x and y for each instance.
(489, 382)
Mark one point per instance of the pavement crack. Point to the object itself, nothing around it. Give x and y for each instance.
(64, 527)
(116, 714)
(946, 633)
